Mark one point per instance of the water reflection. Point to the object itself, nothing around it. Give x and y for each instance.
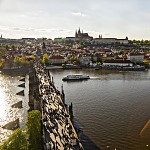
(3, 105)
(8, 89)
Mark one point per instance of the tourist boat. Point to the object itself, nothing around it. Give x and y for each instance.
(75, 77)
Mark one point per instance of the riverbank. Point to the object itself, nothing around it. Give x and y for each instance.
(16, 72)
(121, 68)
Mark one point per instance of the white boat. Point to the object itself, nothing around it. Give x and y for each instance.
(75, 77)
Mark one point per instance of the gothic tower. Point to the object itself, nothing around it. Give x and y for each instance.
(76, 34)
(79, 33)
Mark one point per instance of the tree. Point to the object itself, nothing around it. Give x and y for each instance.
(24, 60)
(32, 57)
(16, 141)
(17, 60)
(2, 61)
(146, 63)
(73, 59)
(33, 130)
(31, 140)
(45, 59)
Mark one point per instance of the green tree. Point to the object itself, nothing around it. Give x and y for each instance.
(2, 61)
(45, 59)
(33, 130)
(146, 63)
(17, 60)
(3, 51)
(16, 141)
(73, 59)
(24, 61)
(32, 57)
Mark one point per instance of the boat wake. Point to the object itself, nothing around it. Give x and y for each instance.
(98, 78)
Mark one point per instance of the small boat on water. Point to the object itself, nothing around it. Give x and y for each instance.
(75, 77)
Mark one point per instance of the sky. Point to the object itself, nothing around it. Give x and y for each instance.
(61, 18)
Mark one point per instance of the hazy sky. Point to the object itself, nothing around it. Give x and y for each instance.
(60, 18)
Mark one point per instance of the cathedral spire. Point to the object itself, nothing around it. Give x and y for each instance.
(79, 32)
(76, 34)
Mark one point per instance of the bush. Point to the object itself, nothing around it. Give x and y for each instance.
(31, 140)
(33, 130)
(16, 141)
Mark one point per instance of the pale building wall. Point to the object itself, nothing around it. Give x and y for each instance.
(136, 58)
(85, 60)
(122, 41)
(56, 61)
(110, 40)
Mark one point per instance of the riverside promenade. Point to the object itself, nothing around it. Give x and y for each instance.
(58, 130)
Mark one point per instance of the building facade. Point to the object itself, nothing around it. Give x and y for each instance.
(136, 57)
(101, 40)
(85, 60)
(56, 59)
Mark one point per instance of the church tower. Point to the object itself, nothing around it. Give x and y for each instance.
(76, 34)
(79, 33)
(1, 36)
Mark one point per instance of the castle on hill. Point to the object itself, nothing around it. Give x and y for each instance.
(82, 36)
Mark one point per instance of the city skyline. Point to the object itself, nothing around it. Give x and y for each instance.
(60, 18)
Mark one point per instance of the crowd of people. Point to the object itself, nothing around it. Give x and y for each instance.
(58, 131)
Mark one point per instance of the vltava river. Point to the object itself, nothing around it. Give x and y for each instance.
(8, 89)
(111, 108)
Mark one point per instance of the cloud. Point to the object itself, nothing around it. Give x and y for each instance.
(18, 29)
(22, 16)
(19, 32)
(80, 14)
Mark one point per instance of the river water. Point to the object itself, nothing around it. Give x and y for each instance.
(8, 89)
(111, 108)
